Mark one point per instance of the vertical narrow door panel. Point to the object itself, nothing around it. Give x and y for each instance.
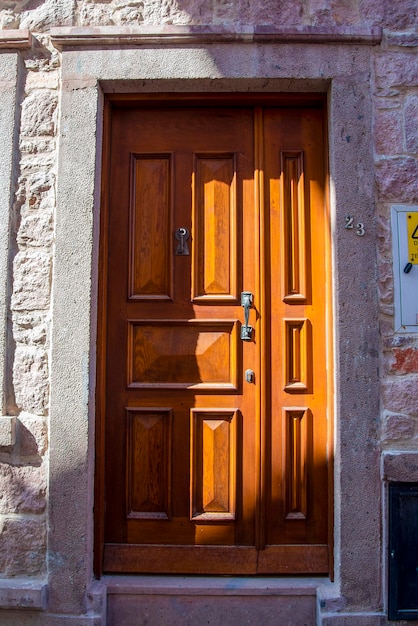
(297, 451)
(297, 362)
(213, 465)
(148, 467)
(215, 218)
(150, 226)
(294, 226)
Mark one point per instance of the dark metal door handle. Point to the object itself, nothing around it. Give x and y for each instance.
(246, 302)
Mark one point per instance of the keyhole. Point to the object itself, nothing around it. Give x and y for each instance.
(182, 234)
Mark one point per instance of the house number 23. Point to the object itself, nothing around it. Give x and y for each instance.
(349, 224)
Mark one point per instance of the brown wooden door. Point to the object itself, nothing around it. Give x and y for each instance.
(215, 447)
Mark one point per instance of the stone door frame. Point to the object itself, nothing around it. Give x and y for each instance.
(181, 59)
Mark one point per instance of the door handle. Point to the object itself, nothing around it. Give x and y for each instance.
(246, 302)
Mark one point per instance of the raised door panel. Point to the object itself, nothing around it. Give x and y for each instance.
(150, 227)
(213, 465)
(148, 464)
(183, 354)
(215, 225)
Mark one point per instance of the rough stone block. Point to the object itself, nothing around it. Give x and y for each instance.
(411, 123)
(401, 14)
(384, 236)
(40, 184)
(402, 466)
(396, 69)
(397, 179)
(22, 489)
(388, 132)
(30, 378)
(36, 230)
(8, 19)
(285, 12)
(21, 593)
(385, 286)
(22, 546)
(37, 145)
(404, 361)
(30, 328)
(7, 430)
(32, 276)
(345, 13)
(407, 40)
(399, 428)
(96, 14)
(400, 396)
(39, 113)
(42, 80)
(32, 436)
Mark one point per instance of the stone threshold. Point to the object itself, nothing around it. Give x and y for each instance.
(15, 38)
(23, 593)
(214, 585)
(195, 34)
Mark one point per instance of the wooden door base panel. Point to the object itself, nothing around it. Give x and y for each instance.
(151, 559)
(289, 560)
(220, 560)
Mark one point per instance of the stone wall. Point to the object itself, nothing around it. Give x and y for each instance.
(394, 79)
(23, 466)
(396, 152)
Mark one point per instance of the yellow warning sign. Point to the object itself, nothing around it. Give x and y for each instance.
(412, 222)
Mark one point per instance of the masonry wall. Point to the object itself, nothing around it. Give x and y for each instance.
(29, 290)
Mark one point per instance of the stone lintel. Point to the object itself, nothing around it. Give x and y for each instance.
(23, 593)
(194, 34)
(15, 38)
(7, 431)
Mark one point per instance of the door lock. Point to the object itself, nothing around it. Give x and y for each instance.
(249, 376)
(182, 235)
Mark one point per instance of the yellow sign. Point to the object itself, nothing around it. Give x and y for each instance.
(412, 222)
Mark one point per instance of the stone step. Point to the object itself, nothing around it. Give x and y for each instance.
(201, 601)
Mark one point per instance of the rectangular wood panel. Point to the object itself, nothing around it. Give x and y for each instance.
(183, 353)
(215, 217)
(222, 560)
(298, 355)
(150, 227)
(297, 446)
(213, 464)
(149, 463)
(294, 224)
(290, 560)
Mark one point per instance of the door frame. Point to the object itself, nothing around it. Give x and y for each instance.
(317, 100)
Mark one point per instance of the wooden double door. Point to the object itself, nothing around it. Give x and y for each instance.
(214, 426)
